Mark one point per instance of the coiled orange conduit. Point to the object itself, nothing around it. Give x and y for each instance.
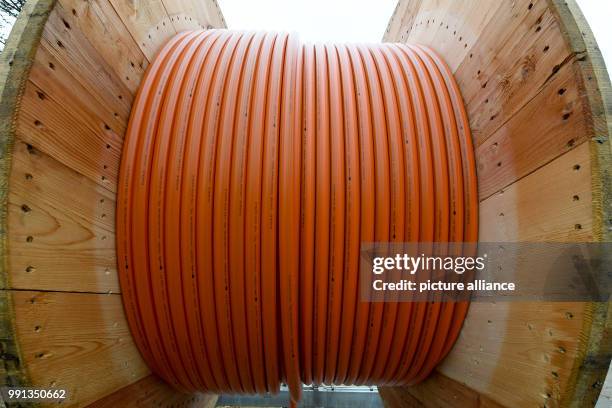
(253, 168)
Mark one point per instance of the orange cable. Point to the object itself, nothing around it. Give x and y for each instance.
(253, 169)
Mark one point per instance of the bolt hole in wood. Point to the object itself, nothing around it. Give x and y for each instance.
(37, 329)
(29, 239)
(556, 69)
(25, 208)
(30, 269)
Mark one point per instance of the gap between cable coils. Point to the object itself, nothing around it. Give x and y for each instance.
(253, 168)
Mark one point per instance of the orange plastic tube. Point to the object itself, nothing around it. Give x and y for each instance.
(253, 169)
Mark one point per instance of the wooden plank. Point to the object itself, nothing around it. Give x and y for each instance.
(398, 397)
(76, 109)
(501, 79)
(437, 391)
(61, 238)
(493, 55)
(452, 28)
(99, 22)
(552, 204)
(15, 63)
(76, 341)
(57, 83)
(519, 354)
(426, 22)
(188, 14)
(551, 124)
(49, 126)
(151, 391)
(73, 49)
(148, 23)
(401, 21)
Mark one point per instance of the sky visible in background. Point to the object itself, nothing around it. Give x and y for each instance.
(599, 16)
(313, 20)
(364, 20)
(360, 20)
(6, 29)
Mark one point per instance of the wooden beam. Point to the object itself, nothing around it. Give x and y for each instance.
(151, 391)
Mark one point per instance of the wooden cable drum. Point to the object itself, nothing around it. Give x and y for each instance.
(253, 167)
(537, 99)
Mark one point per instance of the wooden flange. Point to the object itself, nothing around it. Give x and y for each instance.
(68, 75)
(539, 101)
